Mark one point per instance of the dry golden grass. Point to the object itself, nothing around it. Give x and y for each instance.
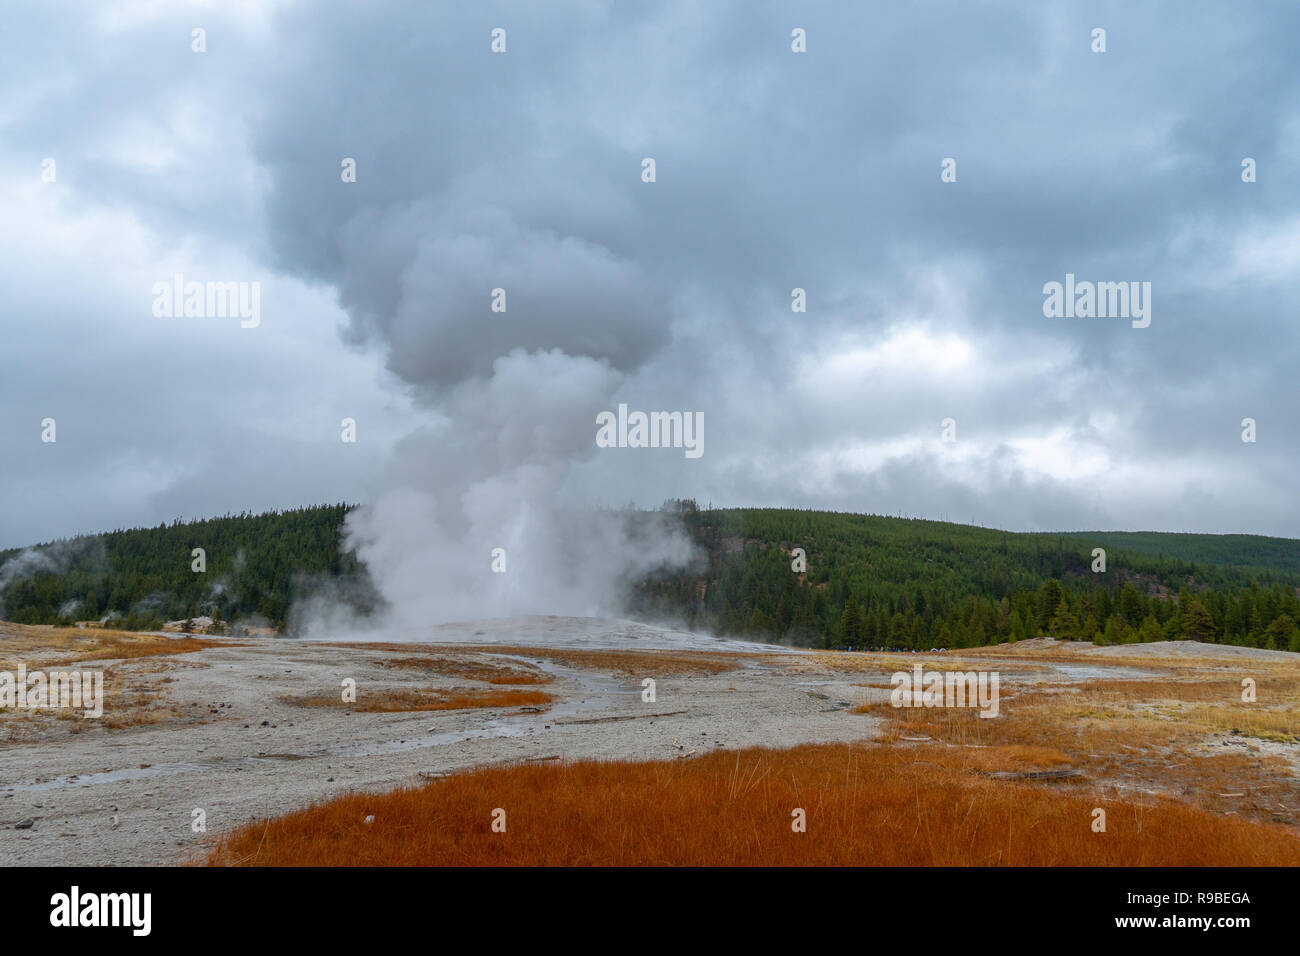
(1191, 688)
(133, 692)
(487, 671)
(60, 646)
(133, 696)
(1190, 738)
(1142, 656)
(865, 806)
(1280, 725)
(1037, 650)
(112, 648)
(630, 663)
(1012, 758)
(401, 700)
(884, 663)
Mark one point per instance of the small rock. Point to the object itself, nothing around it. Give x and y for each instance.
(25, 824)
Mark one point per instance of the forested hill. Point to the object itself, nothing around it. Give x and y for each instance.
(902, 583)
(1238, 550)
(869, 581)
(136, 579)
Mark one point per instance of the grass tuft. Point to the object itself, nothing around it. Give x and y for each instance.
(865, 805)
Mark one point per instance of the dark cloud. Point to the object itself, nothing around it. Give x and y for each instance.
(775, 170)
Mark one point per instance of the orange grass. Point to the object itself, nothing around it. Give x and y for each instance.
(489, 672)
(396, 701)
(36, 643)
(1213, 689)
(112, 648)
(1151, 736)
(632, 663)
(865, 805)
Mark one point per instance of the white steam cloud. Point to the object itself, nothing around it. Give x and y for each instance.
(513, 399)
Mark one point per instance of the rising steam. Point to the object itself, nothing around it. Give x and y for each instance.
(513, 398)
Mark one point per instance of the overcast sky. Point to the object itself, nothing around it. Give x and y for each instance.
(774, 169)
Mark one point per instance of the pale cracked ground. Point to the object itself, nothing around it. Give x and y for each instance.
(227, 745)
(245, 754)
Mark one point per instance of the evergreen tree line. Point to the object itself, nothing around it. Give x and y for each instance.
(870, 581)
(255, 566)
(873, 581)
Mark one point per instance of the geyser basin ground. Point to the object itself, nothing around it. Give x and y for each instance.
(222, 730)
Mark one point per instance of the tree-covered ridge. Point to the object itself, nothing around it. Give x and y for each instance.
(1239, 550)
(871, 581)
(888, 582)
(256, 565)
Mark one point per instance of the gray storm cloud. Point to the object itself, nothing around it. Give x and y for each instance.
(521, 171)
(774, 173)
(556, 292)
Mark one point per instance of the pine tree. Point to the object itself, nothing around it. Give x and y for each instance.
(1113, 634)
(1049, 598)
(1090, 630)
(1283, 634)
(851, 624)
(1064, 625)
(1197, 625)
